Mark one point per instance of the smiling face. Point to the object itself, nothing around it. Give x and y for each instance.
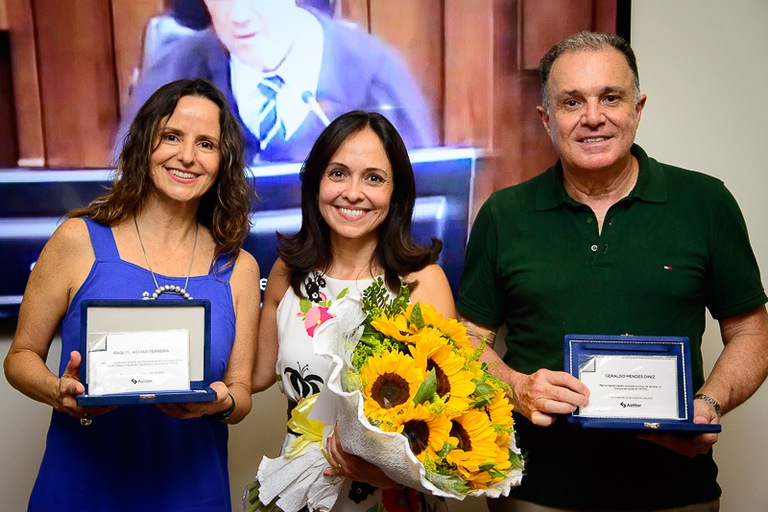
(356, 188)
(185, 161)
(258, 32)
(593, 115)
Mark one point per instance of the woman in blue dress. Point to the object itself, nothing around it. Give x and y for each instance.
(177, 215)
(357, 200)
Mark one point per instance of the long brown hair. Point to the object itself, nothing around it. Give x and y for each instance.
(224, 209)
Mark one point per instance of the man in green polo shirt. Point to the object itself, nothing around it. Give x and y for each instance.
(609, 241)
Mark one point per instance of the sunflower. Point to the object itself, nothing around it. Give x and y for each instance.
(396, 328)
(390, 381)
(449, 327)
(455, 382)
(499, 412)
(475, 447)
(426, 432)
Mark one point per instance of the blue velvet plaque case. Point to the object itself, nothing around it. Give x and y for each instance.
(637, 383)
(103, 317)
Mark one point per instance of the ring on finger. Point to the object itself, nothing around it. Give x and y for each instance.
(85, 420)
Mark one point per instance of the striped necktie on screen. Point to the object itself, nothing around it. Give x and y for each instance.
(269, 122)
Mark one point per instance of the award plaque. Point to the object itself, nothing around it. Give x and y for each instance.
(635, 382)
(142, 351)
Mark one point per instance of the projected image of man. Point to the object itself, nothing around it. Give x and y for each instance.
(288, 71)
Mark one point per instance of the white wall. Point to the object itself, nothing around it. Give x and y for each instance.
(704, 66)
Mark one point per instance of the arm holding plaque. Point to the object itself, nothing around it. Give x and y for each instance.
(738, 373)
(743, 364)
(235, 389)
(540, 396)
(62, 267)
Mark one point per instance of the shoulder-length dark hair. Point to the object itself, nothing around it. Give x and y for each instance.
(396, 251)
(225, 209)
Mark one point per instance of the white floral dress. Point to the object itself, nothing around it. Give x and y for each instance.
(301, 373)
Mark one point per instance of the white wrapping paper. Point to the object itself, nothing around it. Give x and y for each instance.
(299, 480)
(336, 339)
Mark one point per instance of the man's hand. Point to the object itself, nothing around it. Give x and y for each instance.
(686, 444)
(545, 394)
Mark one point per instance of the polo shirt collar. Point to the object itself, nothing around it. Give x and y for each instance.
(650, 187)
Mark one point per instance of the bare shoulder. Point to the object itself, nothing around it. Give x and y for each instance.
(434, 289)
(245, 280)
(278, 283)
(69, 248)
(432, 274)
(279, 269)
(280, 273)
(246, 265)
(70, 235)
(62, 267)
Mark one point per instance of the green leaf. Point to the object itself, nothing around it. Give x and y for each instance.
(343, 293)
(305, 305)
(483, 388)
(517, 460)
(448, 483)
(483, 394)
(416, 317)
(447, 447)
(427, 389)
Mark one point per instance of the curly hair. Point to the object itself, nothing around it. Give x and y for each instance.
(396, 251)
(224, 209)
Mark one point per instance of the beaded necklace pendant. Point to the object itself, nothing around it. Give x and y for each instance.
(168, 288)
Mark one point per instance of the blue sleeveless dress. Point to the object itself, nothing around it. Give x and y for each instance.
(136, 458)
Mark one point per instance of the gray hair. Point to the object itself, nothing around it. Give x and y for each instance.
(586, 41)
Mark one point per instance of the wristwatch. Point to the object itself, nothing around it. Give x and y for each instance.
(711, 401)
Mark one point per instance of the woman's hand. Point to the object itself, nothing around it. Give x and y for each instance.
(183, 411)
(65, 395)
(351, 466)
(69, 386)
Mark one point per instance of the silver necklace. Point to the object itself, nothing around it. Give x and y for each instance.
(168, 288)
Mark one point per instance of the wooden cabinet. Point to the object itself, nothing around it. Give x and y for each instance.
(72, 65)
(9, 149)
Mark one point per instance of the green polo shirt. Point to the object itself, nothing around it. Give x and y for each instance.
(675, 247)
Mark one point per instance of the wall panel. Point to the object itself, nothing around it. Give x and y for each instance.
(29, 117)
(78, 81)
(129, 21)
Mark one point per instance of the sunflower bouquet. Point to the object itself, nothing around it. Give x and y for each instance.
(408, 393)
(415, 375)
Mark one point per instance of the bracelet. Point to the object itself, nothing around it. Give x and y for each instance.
(711, 401)
(224, 415)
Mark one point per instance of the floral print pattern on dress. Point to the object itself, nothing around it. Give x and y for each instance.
(304, 383)
(314, 308)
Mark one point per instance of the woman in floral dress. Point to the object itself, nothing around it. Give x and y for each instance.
(358, 195)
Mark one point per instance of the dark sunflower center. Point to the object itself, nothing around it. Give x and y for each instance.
(417, 432)
(443, 384)
(390, 390)
(458, 431)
